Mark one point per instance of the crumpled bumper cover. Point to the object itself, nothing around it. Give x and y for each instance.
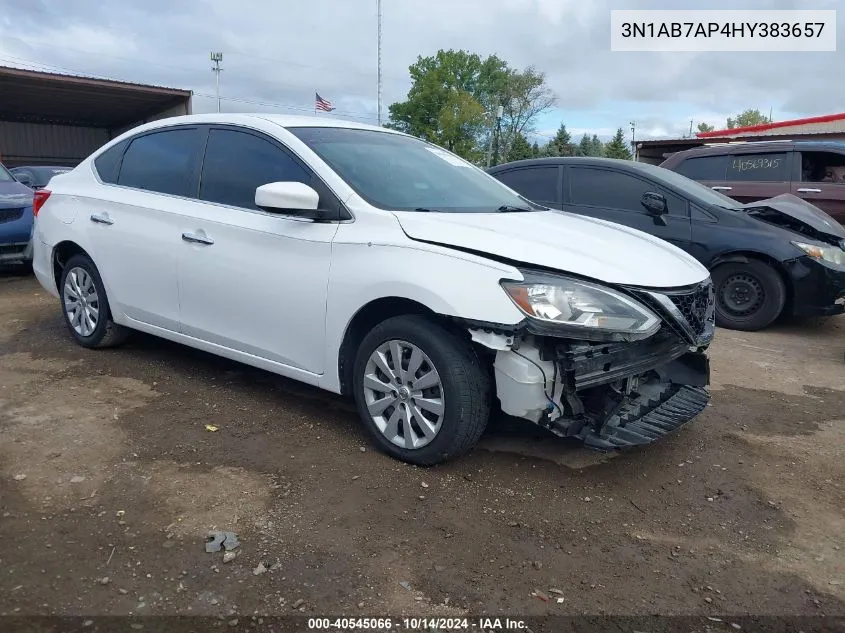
(656, 412)
(669, 397)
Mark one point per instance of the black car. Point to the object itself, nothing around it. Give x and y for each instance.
(38, 176)
(774, 256)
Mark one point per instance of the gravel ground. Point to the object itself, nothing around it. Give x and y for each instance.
(110, 479)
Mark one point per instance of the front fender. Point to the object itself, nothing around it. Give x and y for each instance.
(446, 282)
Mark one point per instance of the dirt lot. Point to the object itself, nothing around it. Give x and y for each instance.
(109, 481)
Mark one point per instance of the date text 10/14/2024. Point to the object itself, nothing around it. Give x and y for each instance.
(481, 625)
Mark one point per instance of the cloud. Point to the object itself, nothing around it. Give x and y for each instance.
(282, 52)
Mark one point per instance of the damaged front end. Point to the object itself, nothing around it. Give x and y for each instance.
(626, 390)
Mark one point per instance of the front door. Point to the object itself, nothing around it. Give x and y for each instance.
(249, 280)
(616, 196)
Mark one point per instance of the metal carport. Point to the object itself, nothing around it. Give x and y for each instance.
(52, 119)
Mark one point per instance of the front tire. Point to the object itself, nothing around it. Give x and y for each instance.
(749, 296)
(421, 391)
(85, 305)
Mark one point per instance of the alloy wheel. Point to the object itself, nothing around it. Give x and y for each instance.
(82, 304)
(404, 394)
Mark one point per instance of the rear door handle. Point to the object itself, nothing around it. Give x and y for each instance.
(721, 188)
(197, 239)
(102, 219)
(803, 190)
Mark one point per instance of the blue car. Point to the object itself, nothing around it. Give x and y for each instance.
(16, 220)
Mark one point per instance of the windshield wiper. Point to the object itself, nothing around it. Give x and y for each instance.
(509, 208)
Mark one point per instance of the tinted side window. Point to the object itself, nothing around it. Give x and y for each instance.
(538, 184)
(773, 167)
(161, 161)
(615, 190)
(107, 164)
(704, 168)
(237, 163)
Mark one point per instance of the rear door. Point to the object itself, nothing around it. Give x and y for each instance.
(616, 196)
(820, 180)
(133, 223)
(708, 170)
(752, 176)
(540, 183)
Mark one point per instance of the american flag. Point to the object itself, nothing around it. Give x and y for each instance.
(322, 104)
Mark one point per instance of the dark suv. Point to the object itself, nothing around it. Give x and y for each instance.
(747, 172)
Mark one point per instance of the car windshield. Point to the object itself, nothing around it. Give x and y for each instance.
(691, 188)
(5, 176)
(402, 173)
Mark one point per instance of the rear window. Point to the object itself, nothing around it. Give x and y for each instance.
(704, 167)
(772, 167)
(107, 164)
(162, 161)
(539, 184)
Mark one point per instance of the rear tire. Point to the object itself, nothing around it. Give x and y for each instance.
(749, 296)
(85, 306)
(434, 405)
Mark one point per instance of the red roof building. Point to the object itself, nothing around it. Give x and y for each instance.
(826, 124)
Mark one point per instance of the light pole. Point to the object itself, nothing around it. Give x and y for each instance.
(217, 58)
(379, 61)
(499, 112)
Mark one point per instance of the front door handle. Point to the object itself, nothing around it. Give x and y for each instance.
(102, 219)
(803, 190)
(197, 239)
(721, 188)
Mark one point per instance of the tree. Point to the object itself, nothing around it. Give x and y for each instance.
(561, 144)
(596, 147)
(520, 148)
(705, 127)
(617, 147)
(524, 96)
(585, 148)
(454, 96)
(443, 103)
(748, 117)
(535, 149)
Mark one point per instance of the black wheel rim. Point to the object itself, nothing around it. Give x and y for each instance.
(741, 295)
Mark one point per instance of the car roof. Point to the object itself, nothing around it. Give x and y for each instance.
(40, 167)
(284, 120)
(720, 149)
(594, 161)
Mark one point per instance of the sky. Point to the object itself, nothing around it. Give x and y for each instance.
(278, 53)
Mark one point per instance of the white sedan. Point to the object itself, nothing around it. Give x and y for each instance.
(370, 263)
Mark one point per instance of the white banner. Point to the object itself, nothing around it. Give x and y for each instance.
(723, 30)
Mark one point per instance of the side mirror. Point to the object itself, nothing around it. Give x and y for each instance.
(290, 198)
(655, 203)
(24, 179)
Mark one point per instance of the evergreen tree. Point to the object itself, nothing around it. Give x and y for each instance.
(617, 147)
(596, 146)
(561, 144)
(585, 148)
(520, 148)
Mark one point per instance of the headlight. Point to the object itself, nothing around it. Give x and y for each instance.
(583, 309)
(832, 254)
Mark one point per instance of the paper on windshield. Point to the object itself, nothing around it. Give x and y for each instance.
(452, 160)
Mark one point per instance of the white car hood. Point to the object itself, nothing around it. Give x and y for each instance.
(570, 243)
